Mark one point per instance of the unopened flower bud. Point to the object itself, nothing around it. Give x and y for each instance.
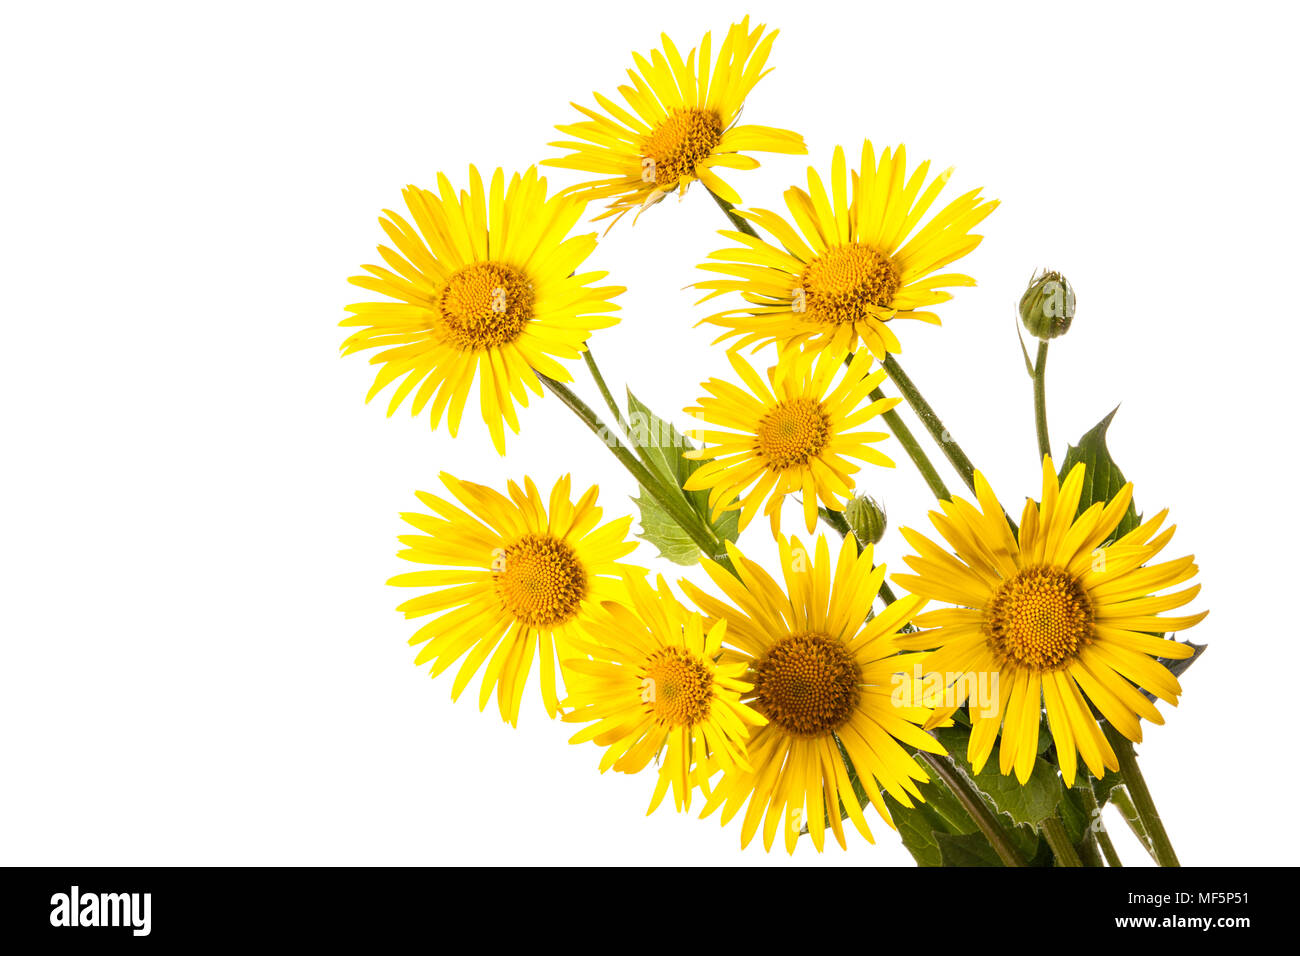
(866, 518)
(1047, 307)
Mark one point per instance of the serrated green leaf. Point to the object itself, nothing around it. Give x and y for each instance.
(664, 533)
(1029, 803)
(662, 447)
(1102, 478)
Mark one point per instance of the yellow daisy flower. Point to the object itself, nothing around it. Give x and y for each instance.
(855, 259)
(679, 125)
(831, 687)
(484, 284)
(795, 434)
(515, 576)
(1051, 616)
(652, 689)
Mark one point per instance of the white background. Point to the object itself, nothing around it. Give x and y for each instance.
(201, 661)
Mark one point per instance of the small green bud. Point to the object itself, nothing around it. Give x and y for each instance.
(866, 518)
(1047, 307)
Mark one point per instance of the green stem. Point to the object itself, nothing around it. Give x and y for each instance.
(1108, 849)
(1089, 852)
(836, 521)
(951, 450)
(1059, 841)
(1124, 804)
(974, 805)
(612, 405)
(730, 210)
(1136, 784)
(676, 509)
(1098, 829)
(1040, 401)
(604, 389)
(913, 449)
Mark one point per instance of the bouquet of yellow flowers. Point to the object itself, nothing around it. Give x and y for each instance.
(984, 704)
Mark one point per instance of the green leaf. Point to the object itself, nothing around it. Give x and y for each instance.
(1075, 820)
(662, 443)
(664, 533)
(967, 849)
(1102, 478)
(662, 447)
(1029, 803)
(919, 827)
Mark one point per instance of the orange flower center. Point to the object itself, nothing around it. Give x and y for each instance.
(847, 283)
(1039, 619)
(672, 149)
(677, 687)
(807, 684)
(483, 305)
(792, 433)
(539, 580)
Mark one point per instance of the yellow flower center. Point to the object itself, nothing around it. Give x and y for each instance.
(677, 686)
(807, 684)
(1039, 619)
(540, 581)
(677, 144)
(792, 433)
(845, 283)
(485, 304)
